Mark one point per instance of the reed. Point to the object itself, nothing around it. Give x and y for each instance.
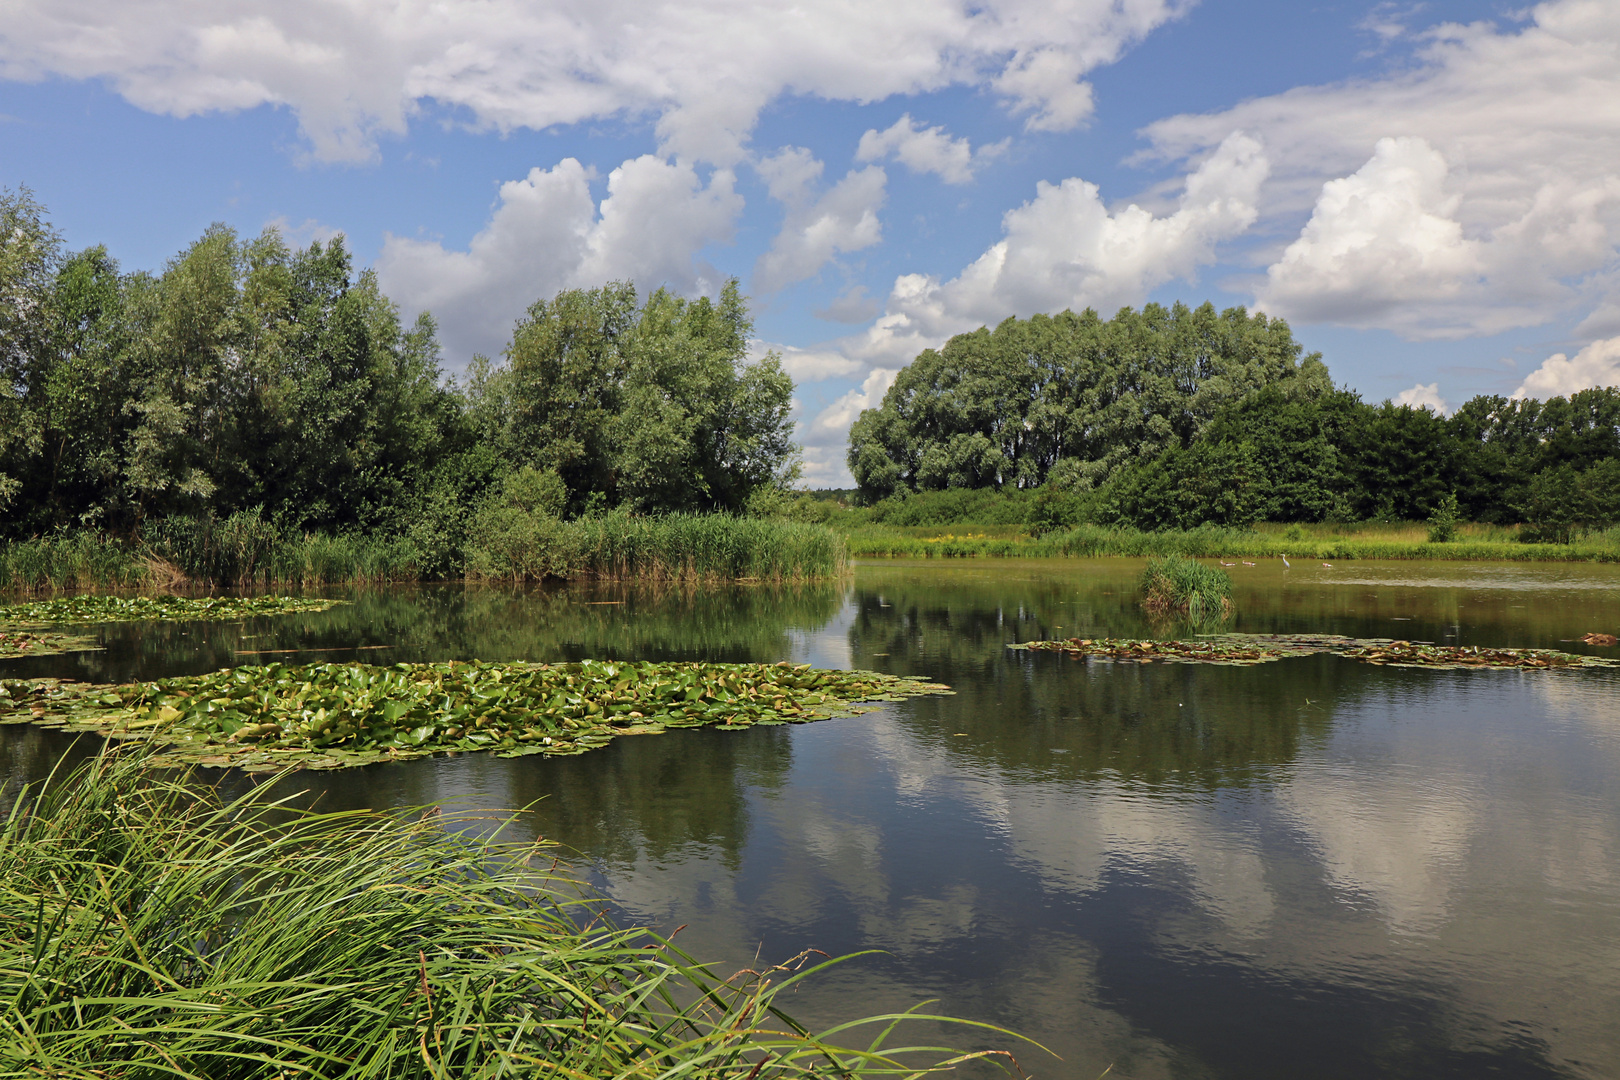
(151, 928)
(670, 547)
(1173, 584)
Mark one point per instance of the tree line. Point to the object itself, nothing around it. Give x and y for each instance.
(249, 378)
(1177, 417)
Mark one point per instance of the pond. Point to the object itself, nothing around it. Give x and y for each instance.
(1313, 867)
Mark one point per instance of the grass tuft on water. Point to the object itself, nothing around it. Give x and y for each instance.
(331, 716)
(151, 928)
(1175, 585)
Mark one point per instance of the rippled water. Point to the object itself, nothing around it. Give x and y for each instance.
(1307, 868)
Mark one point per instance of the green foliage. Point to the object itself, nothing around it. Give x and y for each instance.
(1174, 584)
(1443, 522)
(86, 610)
(1068, 397)
(251, 397)
(341, 715)
(653, 407)
(154, 927)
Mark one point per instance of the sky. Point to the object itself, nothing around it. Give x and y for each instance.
(1429, 192)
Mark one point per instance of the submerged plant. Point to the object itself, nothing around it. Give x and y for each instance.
(338, 715)
(1176, 585)
(150, 927)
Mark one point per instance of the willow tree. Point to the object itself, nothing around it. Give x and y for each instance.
(655, 405)
(1068, 398)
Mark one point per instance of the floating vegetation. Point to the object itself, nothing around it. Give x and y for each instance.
(19, 643)
(1261, 648)
(87, 609)
(333, 716)
(1174, 584)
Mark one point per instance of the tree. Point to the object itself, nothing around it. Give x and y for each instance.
(29, 253)
(1068, 398)
(652, 406)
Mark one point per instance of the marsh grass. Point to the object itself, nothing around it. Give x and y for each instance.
(1175, 585)
(242, 552)
(1371, 540)
(151, 928)
(670, 548)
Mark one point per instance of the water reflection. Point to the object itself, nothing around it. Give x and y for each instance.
(1311, 867)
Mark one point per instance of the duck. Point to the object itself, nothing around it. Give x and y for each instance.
(1246, 562)
(1328, 565)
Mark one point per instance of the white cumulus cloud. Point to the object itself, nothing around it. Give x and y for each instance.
(704, 69)
(1066, 249)
(816, 227)
(1424, 396)
(1598, 364)
(1473, 190)
(826, 437)
(925, 150)
(548, 234)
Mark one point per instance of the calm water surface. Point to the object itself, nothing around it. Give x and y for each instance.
(1312, 868)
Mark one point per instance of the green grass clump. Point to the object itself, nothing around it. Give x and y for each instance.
(149, 928)
(1175, 585)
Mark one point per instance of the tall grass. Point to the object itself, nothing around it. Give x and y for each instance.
(149, 928)
(243, 551)
(671, 547)
(1175, 585)
(1305, 542)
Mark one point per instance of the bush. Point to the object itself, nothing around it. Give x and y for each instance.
(1443, 522)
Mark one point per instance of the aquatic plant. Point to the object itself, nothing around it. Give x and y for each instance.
(151, 927)
(1177, 585)
(668, 547)
(90, 609)
(1261, 648)
(19, 643)
(329, 716)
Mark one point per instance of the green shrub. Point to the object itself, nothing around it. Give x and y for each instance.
(1443, 522)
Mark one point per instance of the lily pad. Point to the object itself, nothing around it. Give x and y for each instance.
(85, 610)
(322, 716)
(15, 644)
(1262, 648)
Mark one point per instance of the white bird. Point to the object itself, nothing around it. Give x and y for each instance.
(1284, 558)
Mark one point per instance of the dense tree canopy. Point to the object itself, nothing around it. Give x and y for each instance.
(1173, 418)
(1067, 397)
(251, 378)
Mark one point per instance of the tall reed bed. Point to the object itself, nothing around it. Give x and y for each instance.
(707, 547)
(671, 547)
(151, 928)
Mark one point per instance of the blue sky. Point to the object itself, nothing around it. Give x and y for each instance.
(1429, 192)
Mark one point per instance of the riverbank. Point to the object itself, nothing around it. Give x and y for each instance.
(697, 548)
(151, 925)
(1326, 542)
